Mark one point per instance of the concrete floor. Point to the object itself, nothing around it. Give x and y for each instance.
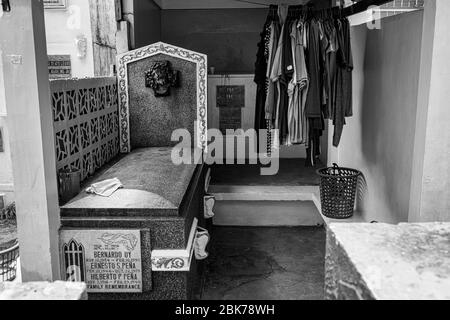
(292, 172)
(265, 264)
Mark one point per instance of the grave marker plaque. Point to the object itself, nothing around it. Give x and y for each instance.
(55, 4)
(108, 261)
(230, 101)
(59, 66)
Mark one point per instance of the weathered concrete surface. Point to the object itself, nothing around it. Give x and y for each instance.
(152, 119)
(43, 291)
(104, 28)
(388, 262)
(265, 264)
(153, 186)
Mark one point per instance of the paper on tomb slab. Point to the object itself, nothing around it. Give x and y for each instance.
(105, 188)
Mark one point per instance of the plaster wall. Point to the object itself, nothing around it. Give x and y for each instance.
(62, 26)
(430, 199)
(228, 36)
(379, 138)
(147, 23)
(227, 31)
(6, 179)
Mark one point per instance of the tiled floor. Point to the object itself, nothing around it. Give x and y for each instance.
(292, 172)
(266, 264)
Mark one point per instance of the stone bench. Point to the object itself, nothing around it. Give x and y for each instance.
(43, 291)
(388, 262)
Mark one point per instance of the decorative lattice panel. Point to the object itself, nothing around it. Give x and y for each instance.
(86, 122)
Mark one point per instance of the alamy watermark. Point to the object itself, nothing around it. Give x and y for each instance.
(235, 147)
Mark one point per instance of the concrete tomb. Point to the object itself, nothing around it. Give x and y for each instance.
(139, 242)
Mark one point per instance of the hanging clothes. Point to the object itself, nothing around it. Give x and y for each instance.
(304, 76)
(344, 79)
(298, 87)
(314, 99)
(260, 77)
(272, 93)
(331, 65)
(278, 75)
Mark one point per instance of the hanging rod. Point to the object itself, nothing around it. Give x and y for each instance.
(362, 6)
(254, 2)
(355, 8)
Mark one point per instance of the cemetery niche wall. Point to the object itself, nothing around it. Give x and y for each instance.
(139, 242)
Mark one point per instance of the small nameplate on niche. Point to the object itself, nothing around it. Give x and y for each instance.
(55, 4)
(231, 97)
(59, 66)
(108, 261)
(230, 101)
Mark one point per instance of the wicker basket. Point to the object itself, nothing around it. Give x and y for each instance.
(8, 263)
(338, 191)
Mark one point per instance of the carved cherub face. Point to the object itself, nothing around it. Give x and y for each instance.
(161, 78)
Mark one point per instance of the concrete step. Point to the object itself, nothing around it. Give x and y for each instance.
(266, 206)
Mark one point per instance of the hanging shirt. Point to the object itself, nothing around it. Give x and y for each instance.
(298, 87)
(348, 102)
(272, 98)
(314, 100)
(331, 67)
(344, 80)
(300, 76)
(261, 79)
(278, 75)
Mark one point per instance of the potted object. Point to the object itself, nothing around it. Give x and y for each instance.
(338, 191)
(8, 262)
(69, 182)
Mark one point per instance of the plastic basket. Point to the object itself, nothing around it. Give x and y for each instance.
(8, 263)
(338, 191)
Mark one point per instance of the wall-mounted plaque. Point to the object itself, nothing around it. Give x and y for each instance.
(55, 4)
(231, 97)
(59, 66)
(108, 261)
(230, 101)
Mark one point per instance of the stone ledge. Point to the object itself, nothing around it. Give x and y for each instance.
(43, 291)
(388, 262)
(356, 218)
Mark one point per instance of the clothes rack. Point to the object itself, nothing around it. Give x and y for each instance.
(303, 73)
(362, 6)
(336, 11)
